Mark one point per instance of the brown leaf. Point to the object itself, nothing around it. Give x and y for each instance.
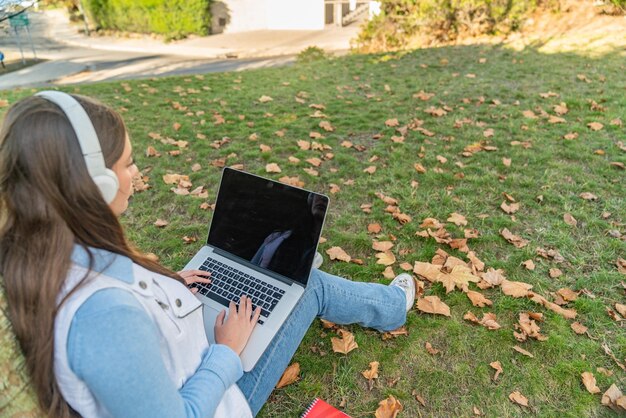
(272, 168)
(430, 348)
(488, 320)
(337, 253)
(265, 148)
(595, 126)
(160, 223)
(392, 122)
(529, 264)
(292, 181)
(265, 99)
(152, 152)
(418, 397)
(388, 273)
(429, 271)
(515, 289)
(431, 223)
(588, 196)
(518, 398)
(419, 168)
(590, 382)
(289, 376)
(611, 396)
(374, 228)
(478, 299)
(510, 209)
(345, 344)
(567, 294)
(578, 328)
(304, 145)
(569, 219)
(386, 258)
(433, 305)
(621, 309)
(388, 408)
(554, 273)
(494, 277)
(522, 351)
(570, 136)
(514, 239)
(372, 372)
(498, 368)
(370, 170)
(382, 245)
(457, 219)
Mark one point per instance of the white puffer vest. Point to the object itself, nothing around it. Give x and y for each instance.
(178, 316)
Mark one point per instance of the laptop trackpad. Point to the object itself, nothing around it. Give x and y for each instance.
(210, 315)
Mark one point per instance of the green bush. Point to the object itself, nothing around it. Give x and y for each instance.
(172, 18)
(400, 21)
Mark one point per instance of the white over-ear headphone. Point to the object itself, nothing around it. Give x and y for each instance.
(105, 179)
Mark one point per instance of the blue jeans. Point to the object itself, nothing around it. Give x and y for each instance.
(332, 298)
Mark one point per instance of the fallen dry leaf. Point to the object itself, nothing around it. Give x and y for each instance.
(510, 209)
(478, 299)
(595, 126)
(265, 99)
(371, 373)
(272, 168)
(588, 196)
(457, 219)
(289, 376)
(374, 228)
(433, 305)
(337, 253)
(529, 264)
(429, 271)
(518, 398)
(522, 351)
(382, 245)
(488, 320)
(388, 408)
(345, 344)
(554, 273)
(517, 241)
(621, 309)
(515, 289)
(386, 258)
(611, 396)
(578, 328)
(569, 219)
(590, 382)
(498, 368)
(431, 349)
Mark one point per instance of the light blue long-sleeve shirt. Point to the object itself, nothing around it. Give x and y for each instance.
(113, 346)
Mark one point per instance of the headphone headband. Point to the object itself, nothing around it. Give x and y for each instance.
(105, 179)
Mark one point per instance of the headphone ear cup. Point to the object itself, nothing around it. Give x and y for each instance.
(108, 185)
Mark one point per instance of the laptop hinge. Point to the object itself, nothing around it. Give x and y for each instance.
(248, 264)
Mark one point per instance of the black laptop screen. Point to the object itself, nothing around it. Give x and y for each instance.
(269, 224)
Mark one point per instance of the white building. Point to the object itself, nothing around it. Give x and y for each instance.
(230, 16)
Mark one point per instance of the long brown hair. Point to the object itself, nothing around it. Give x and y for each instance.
(48, 204)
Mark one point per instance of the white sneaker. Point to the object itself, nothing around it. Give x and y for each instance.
(317, 260)
(405, 282)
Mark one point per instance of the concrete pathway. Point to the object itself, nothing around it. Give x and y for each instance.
(75, 58)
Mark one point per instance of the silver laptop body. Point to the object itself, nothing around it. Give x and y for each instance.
(262, 240)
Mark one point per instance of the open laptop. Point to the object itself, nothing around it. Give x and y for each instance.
(262, 241)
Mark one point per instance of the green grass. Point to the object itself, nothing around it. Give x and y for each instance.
(353, 89)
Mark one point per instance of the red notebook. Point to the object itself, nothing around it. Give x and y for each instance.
(320, 409)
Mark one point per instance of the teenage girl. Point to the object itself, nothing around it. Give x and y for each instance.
(105, 330)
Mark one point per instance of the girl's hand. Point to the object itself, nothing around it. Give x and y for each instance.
(195, 276)
(236, 330)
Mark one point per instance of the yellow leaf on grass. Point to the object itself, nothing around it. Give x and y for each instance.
(388, 408)
(160, 223)
(590, 382)
(265, 99)
(433, 305)
(289, 376)
(337, 253)
(345, 344)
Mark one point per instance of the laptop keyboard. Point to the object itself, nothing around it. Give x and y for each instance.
(228, 283)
